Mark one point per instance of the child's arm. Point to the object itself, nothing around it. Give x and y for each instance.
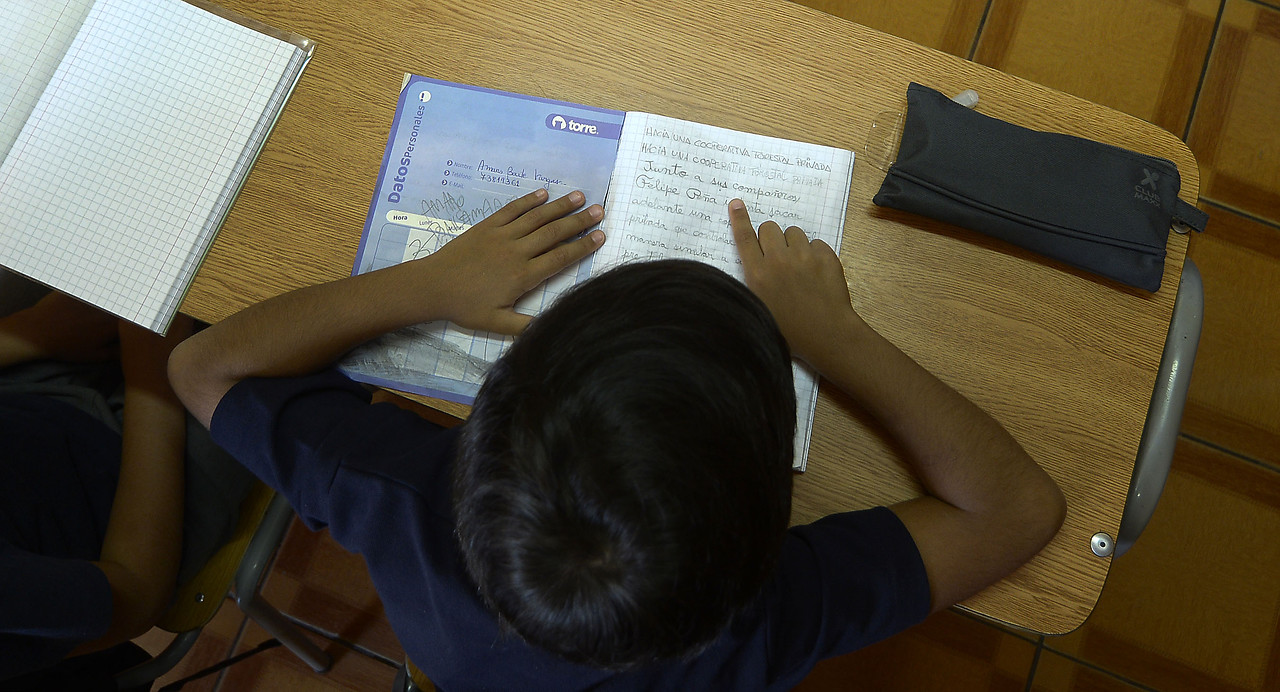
(142, 547)
(988, 506)
(143, 542)
(473, 281)
(58, 327)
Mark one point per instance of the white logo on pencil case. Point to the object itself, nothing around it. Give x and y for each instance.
(1142, 193)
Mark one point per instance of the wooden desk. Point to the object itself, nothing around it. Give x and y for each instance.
(1066, 362)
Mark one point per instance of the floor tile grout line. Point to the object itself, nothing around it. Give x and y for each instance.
(1035, 661)
(245, 619)
(1099, 669)
(244, 626)
(231, 651)
(1000, 627)
(1231, 452)
(1204, 69)
(982, 24)
(1238, 212)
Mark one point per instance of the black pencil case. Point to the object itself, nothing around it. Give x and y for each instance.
(1098, 207)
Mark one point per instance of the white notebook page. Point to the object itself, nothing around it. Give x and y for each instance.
(670, 193)
(107, 192)
(34, 34)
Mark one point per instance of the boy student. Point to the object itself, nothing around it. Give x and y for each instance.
(613, 514)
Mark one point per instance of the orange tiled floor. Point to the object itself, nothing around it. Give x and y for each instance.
(1196, 604)
(324, 588)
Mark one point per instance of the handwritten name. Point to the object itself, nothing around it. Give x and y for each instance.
(509, 172)
(649, 182)
(548, 180)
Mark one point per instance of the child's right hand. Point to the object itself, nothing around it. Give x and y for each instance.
(802, 282)
(482, 273)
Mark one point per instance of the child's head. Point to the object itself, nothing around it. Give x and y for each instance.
(624, 482)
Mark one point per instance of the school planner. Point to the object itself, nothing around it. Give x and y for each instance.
(127, 128)
(457, 153)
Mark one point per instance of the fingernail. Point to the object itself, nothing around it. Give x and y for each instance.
(737, 204)
(597, 236)
(576, 197)
(540, 193)
(595, 212)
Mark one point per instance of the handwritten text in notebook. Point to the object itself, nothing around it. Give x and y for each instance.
(674, 178)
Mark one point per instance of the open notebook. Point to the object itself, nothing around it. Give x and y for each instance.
(457, 153)
(127, 128)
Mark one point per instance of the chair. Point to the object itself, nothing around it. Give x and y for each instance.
(1160, 433)
(410, 679)
(239, 566)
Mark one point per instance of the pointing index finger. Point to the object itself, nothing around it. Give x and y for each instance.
(744, 234)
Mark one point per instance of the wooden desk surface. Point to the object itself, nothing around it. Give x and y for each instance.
(1066, 362)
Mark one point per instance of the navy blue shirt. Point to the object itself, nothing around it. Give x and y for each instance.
(58, 472)
(379, 478)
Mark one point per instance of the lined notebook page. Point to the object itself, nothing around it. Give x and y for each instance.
(121, 174)
(670, 193)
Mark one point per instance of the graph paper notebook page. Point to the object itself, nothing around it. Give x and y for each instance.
(457, 153)
(126, 143)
